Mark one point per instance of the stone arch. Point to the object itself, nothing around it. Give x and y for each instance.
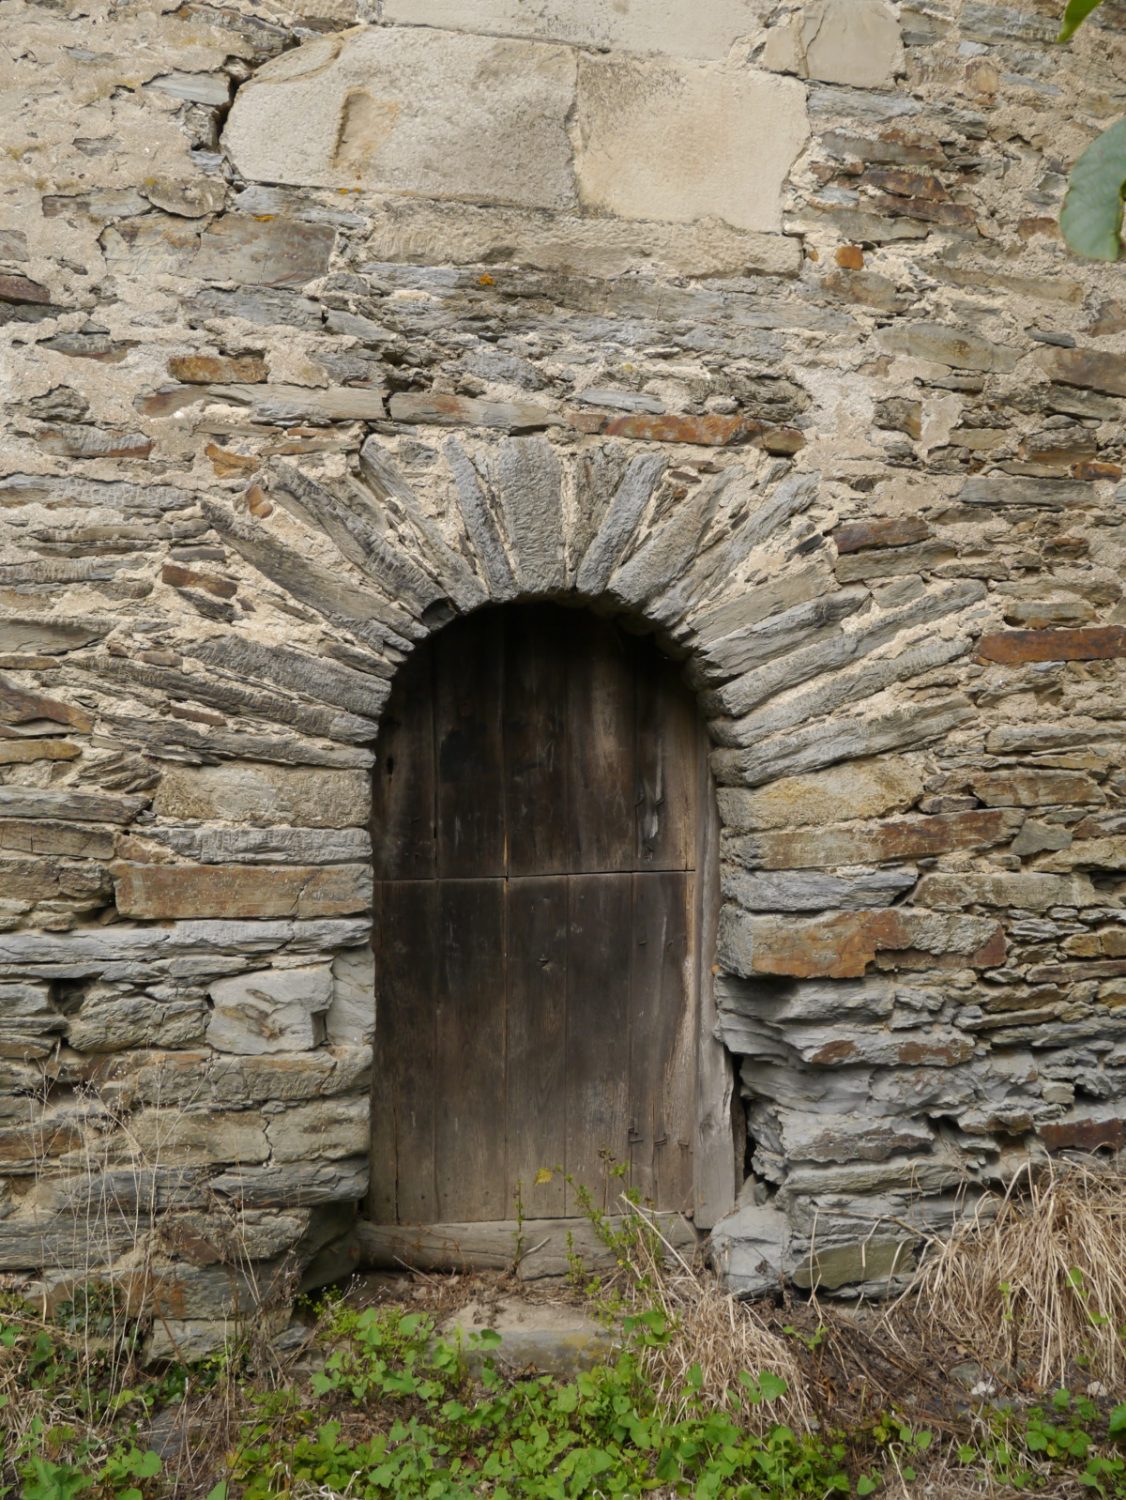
(798, 671)
(185, 732)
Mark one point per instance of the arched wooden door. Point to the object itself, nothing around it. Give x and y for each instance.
(541, 796)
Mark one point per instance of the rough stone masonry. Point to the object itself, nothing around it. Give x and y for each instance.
(325, 323)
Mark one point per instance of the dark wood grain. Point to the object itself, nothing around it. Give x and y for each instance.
(403, 780)
(597, 1052)
(537, 1015)
(406, 969)
(601, 750)
(537, 735)
(668, 750)
(469, 1133)
(468, 693)
(663, 1039)
(721, 1127)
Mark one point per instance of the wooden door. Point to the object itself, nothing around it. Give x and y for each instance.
(540, 791)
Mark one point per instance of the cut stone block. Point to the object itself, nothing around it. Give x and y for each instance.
(271, 1010)
(552, 1337)
(416, 111)
(658, 141)
(664, 26)
(854, 42)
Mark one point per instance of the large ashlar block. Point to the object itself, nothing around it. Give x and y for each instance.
(412, 110)
(498, 121)
(661, 26)
(681, 143)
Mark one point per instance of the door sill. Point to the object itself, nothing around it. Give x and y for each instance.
(533, 1249)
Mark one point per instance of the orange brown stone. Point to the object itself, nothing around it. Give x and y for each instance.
(217, 369)
(184, 578)
(842, 946)
(1087, 643)
(894, 531)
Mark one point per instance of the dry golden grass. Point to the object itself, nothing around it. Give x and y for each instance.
(1036, 1276)
(710, 1330)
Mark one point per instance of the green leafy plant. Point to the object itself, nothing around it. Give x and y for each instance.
(1091, 218)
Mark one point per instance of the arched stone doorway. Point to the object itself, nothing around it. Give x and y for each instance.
(545, 892)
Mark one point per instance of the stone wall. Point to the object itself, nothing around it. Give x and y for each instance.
(750, 320)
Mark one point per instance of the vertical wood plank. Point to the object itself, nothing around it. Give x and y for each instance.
(470, 1073)
(662, 1040)
(602, 747)
(536, 732)
(403, 779)
(668, 747)
(537, 1015)
(597, 1052)
(468, 687)
(406, 1032)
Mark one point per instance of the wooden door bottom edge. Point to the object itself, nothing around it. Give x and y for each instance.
(532, 1249)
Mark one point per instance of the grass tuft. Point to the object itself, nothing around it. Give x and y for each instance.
(1033, 1281)
(708, 1338)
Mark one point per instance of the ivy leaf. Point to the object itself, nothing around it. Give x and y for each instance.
(1091, 218)
(1118, 1422)
(1073, 17)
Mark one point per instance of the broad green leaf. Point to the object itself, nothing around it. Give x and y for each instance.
(1073, 17)
(771, 1385)
(1091, 218)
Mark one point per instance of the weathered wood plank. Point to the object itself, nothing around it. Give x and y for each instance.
(468, 665)
(601, 748)
(662, 1025)
(536, 1035)
(469, 1077)
(404, 1182)
(668, 751)
(721, 1133)
(597, 1052)
(555, 778)
(404, 779)
(537, 733)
